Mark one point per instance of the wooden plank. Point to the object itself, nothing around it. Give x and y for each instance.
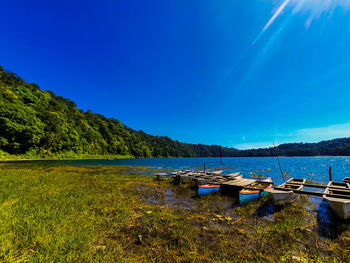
(240, 182)
(245, 182)
(309, 185)
(319, 186)
(339, 188)
(313, 193)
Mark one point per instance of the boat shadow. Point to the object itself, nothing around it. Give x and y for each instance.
(329, 225)
(267, 209)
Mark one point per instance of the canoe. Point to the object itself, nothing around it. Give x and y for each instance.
(284, 197)
(340, 205)
(247, 195)
(208, 189)
(213, 187)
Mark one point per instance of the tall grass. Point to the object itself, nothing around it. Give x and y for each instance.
(102, 214)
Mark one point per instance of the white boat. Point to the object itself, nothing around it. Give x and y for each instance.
(346, 180)
(340, 204)
(284, 197)
(214, 172)
(339, 186)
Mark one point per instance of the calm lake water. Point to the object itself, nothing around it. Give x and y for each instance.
(313, 168)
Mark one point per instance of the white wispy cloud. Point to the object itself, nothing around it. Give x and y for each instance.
(324, 133)
(246, 146)
(318, 6)
(310, 135)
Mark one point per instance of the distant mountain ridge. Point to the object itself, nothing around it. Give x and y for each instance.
(37, 122)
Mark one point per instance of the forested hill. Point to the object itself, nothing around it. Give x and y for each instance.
(34, 122)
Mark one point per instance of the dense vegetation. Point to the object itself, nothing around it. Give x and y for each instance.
(104, 214)
(34, 122)
(37, 122)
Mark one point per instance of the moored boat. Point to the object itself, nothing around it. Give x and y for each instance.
(214, 172)
(213, 187)
(287, 196)
(259, 189)
(339, 201)
(229, 176)
(208, 189)
(337, 185)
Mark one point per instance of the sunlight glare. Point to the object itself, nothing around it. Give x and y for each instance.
(315, 8)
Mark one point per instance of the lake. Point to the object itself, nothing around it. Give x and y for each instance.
(313, 168)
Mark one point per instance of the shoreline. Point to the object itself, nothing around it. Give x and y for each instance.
(115, 157)
(63, 158)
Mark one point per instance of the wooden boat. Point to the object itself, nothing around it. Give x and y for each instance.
(283, 197)
(229, 176)
(346, 180)
(337, 185)
(259, 187)
(214, 172)
(212, 187)
(340, 203)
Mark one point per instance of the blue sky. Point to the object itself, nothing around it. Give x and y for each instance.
(229, 72)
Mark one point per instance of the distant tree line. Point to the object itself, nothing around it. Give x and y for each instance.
(39, 122)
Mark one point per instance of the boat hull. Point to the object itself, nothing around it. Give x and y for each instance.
(207, 189)
(247, 197)
(284, 197)
(340, 208)
(280, 198)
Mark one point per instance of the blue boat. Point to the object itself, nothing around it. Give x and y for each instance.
(247, 195)
(212, 188)
(208, 189)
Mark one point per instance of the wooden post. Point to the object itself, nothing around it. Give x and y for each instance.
(330, 173)
(204, 169)
(279, 164)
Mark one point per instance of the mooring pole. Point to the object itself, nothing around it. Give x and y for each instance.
(330, 173)
(278, 160)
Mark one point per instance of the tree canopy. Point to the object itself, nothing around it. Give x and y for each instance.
(40, 122)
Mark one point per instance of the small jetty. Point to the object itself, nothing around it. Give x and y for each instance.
(336, 193)
(233, 187)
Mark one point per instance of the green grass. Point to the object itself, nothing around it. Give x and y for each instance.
(102, 214)
(4, 156)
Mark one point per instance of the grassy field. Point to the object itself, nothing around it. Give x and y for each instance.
(110, 214)
(4, 156)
